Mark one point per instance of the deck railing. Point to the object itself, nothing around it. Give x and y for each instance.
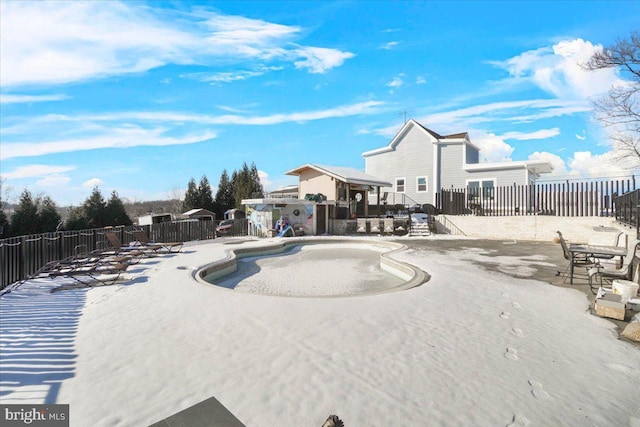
(627, 209)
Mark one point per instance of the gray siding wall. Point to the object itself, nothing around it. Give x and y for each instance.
(412, 157)
(503, 177)
(451, 173)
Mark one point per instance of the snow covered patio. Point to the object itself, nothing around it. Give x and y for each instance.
(482, 343)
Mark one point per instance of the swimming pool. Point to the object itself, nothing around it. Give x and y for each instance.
(321, 268)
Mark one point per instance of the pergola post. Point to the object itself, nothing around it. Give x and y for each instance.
(365, 199)
(348, 201)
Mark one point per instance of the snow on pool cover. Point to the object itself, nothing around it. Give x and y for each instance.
(314, 269)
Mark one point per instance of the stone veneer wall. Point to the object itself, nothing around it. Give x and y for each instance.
(596, 230)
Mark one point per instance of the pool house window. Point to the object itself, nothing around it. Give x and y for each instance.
(421, 184)
(400, 185)
(481, 188)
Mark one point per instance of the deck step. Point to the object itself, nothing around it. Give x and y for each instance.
(420, 229)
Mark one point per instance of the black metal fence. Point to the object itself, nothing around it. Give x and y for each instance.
(573, 199)
(628, 209)
(24, 255)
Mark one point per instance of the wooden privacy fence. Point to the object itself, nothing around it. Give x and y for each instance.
(587, 198)
(24, 255)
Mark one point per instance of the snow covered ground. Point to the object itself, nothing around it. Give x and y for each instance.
(470, 347)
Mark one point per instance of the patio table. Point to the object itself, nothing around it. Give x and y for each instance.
(594, 251)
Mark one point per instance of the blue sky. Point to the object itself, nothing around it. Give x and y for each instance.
(139, 97)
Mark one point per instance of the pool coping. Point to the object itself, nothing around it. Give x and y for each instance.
(412, 275)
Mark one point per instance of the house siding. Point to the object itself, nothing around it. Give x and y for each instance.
(503, 177)
(313, 182)
(451, 173)
(412, 157)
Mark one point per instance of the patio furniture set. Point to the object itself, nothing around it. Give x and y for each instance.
(602, 263)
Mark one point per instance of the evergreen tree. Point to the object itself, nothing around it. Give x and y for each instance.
(224, 196)
(191, 196)
(205, 197)
(95, 209)
(242, 186)
(76, 219)
(25, 218)
(48, 216)
(115, 212)
(257, 189)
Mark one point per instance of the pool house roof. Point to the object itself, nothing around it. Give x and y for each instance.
(344, 174)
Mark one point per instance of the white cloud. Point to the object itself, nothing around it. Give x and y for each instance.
(15, 99)
(229, 77)
(389, 46)
(53, 181)
(507, 111)
(526, 136)
(492, 147)
(264, 180)
(559, 165)
(319, 60)
(420, 80)
(396, 81)
(557, 70)
(60, 42)
(582, 136)
(29, 171)
(584, 164)
(93, 182)
(366, 107)
(116, 138)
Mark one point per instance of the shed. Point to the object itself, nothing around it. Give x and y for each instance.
(200, 214)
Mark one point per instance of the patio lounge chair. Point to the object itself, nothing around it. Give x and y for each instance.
(376, 228)
(115, 242)
(625, 272)
(89, 274)
(142, 237)
(81, 268)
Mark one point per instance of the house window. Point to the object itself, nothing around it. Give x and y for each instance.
(421, 184)
(481, 189)
(399, 185)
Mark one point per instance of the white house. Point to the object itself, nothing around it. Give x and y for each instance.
(420, 163)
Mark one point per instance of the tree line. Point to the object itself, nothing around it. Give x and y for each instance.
(35, 215)
(243, 184)
(39, 214)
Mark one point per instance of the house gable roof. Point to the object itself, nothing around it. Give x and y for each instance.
(344, 174)
(435, 137)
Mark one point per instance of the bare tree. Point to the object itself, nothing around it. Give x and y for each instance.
(175, 198)
(619, 110)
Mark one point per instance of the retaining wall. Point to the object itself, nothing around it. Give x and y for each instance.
(595, 230)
